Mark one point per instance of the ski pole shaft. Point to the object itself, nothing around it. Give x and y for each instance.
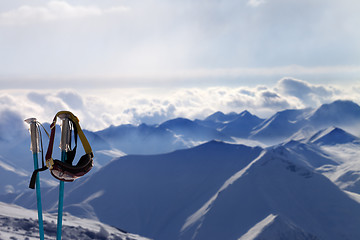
(38, 198)
(35, 149)
(60, 209)
(64, 146)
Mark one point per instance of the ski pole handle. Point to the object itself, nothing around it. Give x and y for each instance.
(65, 133)
(34, 147)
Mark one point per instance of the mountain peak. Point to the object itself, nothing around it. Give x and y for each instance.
(177, 123)
(245, 113)
(333, 136)
(221, 117)
(340, 112)
(242, 125)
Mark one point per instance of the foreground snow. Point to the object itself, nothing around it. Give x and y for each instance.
(20, 223)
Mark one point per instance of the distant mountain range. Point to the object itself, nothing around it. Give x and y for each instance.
(185, 179)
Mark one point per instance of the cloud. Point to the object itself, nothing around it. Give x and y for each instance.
(47, 102)
(52, 11)
(256, 3)
(6, 100)
(272, 100)
(71, 98)
(152, 114)
(309, 94)
(98, 109)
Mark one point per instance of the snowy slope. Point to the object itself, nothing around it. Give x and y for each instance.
(275, 227)
(218, 191)
(339, 113)
(20, 223)
(347, 173)
(343, 148)
(10, 177)
(155, 193)
(333, 136)
(277, 183)
(152, 195)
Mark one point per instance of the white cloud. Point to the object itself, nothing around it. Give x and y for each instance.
(51, 11)
(97, 109)
(307, 93)
(256, 3)
(71, 98)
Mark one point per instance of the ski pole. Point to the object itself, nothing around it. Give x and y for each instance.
(64, 146)
(35, 149)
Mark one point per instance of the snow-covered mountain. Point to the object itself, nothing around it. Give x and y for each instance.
(281, 125)
(305, 185)
(192, 131)
(184, 133)
(218, 120)
(279, 183)
(333, 136)
(242, 126)
(151, 195)
(338, 113)
(218, 191)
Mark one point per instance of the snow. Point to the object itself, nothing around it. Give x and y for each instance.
(353, 196)
(277, 183)
(249, 142)
(281, 125)
(339, 113)
(275, 227)
(112, 153)
(184, 194)
(347, 174)
(20, 223)
(199, 215)
(258, 228)
(9, 168)
(333, 136)
(242, 125)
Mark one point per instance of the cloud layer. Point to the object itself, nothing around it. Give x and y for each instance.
(98, 109)
(177, 39)
(53, 11)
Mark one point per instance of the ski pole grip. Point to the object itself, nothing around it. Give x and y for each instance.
(65, 132)
(34, 135)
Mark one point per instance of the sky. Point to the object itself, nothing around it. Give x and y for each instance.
(132, 61)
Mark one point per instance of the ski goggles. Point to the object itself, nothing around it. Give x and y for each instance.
(67, 172)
